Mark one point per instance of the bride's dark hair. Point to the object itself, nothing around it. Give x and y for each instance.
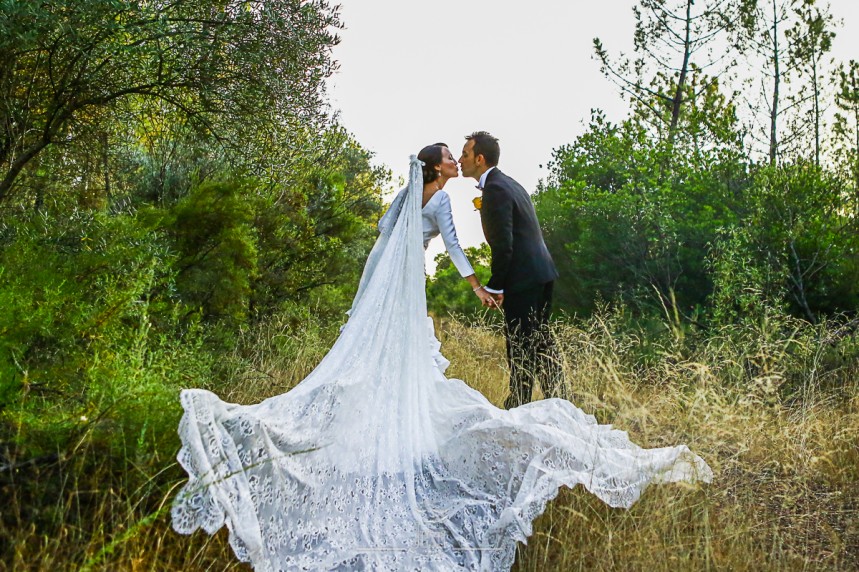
(431, 156)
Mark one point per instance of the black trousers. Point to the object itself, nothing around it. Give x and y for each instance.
(531, 352)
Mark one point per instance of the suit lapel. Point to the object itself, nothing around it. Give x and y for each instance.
(489, 177)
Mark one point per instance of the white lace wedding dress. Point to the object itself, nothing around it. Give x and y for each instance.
(376, 461)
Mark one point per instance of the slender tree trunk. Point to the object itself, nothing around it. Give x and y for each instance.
(105, 167)
(39, 202)
(776, 82)
(855, 89)
(16, 167)
(58, 118)
(799, 285)
(684, 70)
(816, 87)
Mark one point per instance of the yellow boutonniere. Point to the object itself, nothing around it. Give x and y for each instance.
(477, 202)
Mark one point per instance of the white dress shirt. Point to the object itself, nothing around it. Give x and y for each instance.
(438, 219)
(482, 182)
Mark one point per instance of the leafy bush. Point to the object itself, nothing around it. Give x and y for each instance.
(626, 217)
(629, 219)
(448, 294)
(88, 329)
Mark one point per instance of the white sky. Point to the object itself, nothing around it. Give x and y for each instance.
(414, 73)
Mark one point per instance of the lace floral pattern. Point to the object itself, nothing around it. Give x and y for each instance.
(376, 461)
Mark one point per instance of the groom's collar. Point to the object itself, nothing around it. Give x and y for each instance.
(482, 182)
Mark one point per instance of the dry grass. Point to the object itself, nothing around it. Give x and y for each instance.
(786, 490)
(775, 414)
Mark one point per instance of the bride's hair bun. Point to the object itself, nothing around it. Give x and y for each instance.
(431, 158)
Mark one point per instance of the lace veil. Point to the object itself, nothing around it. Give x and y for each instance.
(412, 226)
(329, 473)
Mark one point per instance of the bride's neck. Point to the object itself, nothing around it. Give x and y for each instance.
(436, 185)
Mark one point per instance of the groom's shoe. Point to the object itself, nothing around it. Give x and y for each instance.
(515, 400)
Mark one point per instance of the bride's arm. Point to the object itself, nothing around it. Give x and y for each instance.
(444, 218)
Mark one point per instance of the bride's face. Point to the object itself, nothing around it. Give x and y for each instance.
(448, 167)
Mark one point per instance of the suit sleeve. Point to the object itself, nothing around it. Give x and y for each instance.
(497, 214)
(444, 217)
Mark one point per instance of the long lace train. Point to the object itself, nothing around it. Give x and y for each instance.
(376, 461)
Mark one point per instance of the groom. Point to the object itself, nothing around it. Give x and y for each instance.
(522, 271)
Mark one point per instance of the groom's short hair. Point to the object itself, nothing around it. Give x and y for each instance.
(487, 145)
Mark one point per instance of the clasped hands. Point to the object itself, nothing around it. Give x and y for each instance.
(490, 300)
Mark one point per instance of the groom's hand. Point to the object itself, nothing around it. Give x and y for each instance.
(499, 300)
(493, 301)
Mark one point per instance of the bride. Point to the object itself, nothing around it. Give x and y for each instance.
(377, 461)
(437, 167)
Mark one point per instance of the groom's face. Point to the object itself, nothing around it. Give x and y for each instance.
(470, 165)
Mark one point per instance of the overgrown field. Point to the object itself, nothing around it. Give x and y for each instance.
(772, 405)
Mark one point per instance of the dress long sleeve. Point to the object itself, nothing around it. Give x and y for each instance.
(444, 218)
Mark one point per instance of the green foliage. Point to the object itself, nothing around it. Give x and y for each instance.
(448, 294)
(667, 211)
(623, 215)
(246, 79)
(810, 40)
(87, 331)
(745, 288)
(173, 191)
(313, 235)
(105, 314)
(794, 246)
(627, 217)
(846, 129)
(212, 232)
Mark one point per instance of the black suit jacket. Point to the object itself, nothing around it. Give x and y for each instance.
(520, 259)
